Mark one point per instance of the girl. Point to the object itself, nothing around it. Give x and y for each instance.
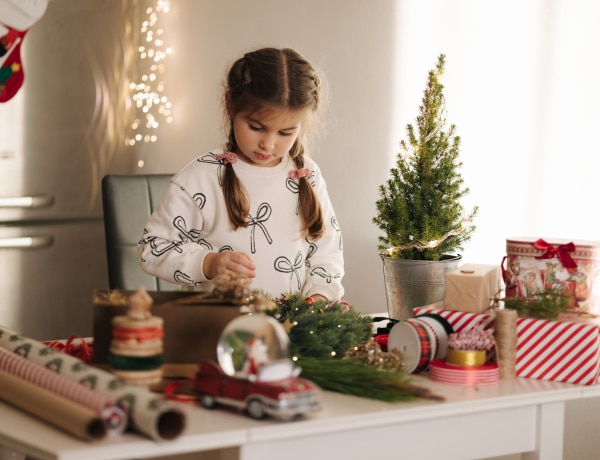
(260, 207)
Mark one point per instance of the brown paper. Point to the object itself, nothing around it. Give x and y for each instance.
(472, 287)
(76, 420)
(191, 330)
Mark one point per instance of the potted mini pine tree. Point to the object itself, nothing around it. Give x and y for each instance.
(419, 209)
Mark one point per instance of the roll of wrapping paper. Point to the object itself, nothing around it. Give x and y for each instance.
(102, 405)
(63, 413)
(505, 335)
(149, 413)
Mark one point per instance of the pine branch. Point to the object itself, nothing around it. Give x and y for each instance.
(548, 304)
(357, 379)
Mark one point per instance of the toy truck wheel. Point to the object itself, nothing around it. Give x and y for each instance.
(207, 401)
(256, 409)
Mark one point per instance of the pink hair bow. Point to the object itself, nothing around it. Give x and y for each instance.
(295, 174)
(228, 157)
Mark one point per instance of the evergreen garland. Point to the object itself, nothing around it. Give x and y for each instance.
(326, 340)
(358, 379)
(419, 209)
(321, 329)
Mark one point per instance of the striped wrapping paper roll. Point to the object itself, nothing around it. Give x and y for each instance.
(105, 407)
(149, 413)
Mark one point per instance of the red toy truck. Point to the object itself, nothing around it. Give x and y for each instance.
(275, 390)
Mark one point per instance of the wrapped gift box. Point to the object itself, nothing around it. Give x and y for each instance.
(472, 287)
(533, 265)
(562, 351)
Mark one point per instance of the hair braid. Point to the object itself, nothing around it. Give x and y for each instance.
(309, 205)
(236, 198)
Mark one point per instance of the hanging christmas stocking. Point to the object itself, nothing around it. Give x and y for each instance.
(11, 72)
(16, 17)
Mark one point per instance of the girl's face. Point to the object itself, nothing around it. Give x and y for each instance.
(263, 138)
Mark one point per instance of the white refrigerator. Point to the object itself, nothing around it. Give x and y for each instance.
(62, 132)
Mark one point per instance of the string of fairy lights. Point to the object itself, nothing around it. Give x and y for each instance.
(147, 92)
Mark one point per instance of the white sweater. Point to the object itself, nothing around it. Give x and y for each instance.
(191, 220)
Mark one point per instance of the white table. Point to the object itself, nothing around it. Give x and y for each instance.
(521, 415)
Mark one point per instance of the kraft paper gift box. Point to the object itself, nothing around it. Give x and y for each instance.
(472, 287)
(561, 351)
(191, 331)
(535, 264)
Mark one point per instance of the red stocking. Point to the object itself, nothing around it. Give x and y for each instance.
(16, 17)
(11, 72)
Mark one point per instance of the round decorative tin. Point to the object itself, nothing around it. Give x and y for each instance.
(535, 264)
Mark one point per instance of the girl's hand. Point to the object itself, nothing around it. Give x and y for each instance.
(217, 263)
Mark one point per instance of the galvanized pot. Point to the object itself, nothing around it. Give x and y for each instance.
(415, 283)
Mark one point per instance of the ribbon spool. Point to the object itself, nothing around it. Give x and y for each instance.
(442, 329)
(417, 341)
(441, 371)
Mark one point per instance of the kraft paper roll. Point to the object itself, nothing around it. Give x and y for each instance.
(73, 418)
(40, 376)
(149, 413)
(505, 334)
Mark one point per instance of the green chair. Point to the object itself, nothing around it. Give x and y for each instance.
(128, 201)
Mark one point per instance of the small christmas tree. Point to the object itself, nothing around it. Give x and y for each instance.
(419, 209)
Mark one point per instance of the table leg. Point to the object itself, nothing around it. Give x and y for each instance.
(549, 433)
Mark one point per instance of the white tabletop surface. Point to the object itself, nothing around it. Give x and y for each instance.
(222, 428)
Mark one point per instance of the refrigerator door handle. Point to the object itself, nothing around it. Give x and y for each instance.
(29, 202)
(26, 242)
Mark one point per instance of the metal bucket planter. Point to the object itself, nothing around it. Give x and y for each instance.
(415, 283)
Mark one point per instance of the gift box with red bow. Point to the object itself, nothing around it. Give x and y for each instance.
(534, 265)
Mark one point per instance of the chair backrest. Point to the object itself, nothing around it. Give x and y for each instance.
(128, 201)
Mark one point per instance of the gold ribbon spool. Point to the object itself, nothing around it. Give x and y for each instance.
(465, 357)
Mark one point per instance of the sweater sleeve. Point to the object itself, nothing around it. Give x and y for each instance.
(171, 247)
(325, 260)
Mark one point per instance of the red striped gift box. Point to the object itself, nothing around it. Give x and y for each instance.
(562, 351)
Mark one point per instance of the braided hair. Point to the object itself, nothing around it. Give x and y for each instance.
(261, 80)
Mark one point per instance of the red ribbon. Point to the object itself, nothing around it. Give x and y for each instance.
(82, 350)
(171, 393)
(562, 252)
(141, 335)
